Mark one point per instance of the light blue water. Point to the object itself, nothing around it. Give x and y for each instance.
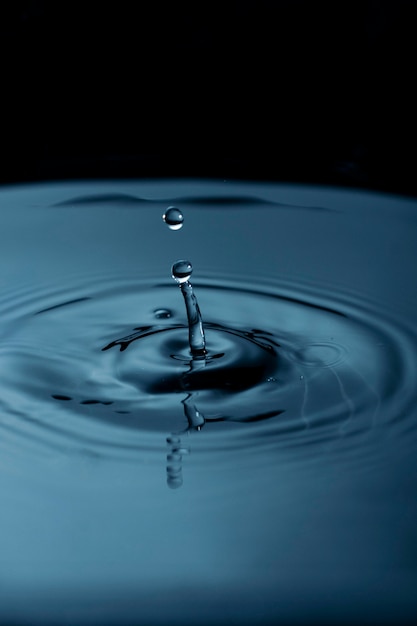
(273, 480)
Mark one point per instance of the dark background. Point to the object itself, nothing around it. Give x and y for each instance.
(305, 91)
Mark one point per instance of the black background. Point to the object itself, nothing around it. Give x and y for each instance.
(295, 90)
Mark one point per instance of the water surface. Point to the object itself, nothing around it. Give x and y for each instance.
(294, 498)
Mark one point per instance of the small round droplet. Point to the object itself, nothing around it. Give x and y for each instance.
(162, 314)
(173, 218)
(181, 271)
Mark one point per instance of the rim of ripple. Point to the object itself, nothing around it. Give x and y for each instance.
(119, 443)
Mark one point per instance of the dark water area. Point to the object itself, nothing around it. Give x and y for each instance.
(271, 479)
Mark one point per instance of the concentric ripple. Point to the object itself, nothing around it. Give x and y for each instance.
(110, 366)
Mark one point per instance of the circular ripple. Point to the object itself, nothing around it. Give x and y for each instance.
(306, 372)
(320, 354)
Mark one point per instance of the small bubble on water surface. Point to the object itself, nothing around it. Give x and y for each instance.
(173, 218)
(181, 271)
(162, 314)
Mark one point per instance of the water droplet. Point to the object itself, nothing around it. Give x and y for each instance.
(181, 271)
(162, 314)
(173, 218)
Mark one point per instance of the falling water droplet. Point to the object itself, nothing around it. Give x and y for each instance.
(173, 218)
(162, 314)
(181, 271)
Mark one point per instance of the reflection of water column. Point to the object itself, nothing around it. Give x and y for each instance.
(194, 417)
(176, 450)
(174, 462)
